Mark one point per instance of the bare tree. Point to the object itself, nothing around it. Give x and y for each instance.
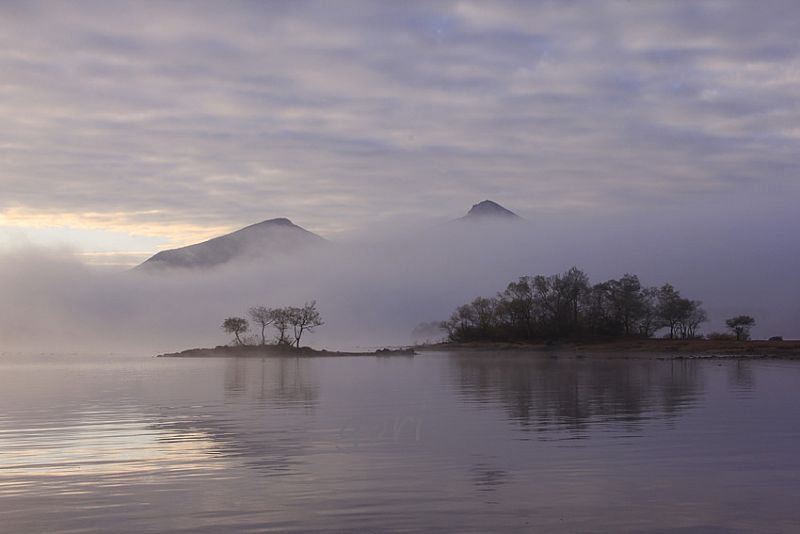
(304, 319)
(672, 308)
(696, 315)
(573, 285)
(516, 302)
(566, 305)
(649, 322)
(549, 301)
(235, 326)
(264, 317)
(280, 321)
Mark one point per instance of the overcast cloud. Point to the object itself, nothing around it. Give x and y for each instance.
(184, 119)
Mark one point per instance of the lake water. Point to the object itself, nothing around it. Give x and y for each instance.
(441, 442)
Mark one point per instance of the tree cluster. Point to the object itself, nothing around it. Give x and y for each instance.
(740, 326)
(567, 305)
(289, 323)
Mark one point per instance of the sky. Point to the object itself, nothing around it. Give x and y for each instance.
(135, 126)
(657, 138)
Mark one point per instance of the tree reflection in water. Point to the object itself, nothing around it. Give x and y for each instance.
(279, 381)
(542, 392)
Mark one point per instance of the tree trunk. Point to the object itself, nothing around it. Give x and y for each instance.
(297, 336)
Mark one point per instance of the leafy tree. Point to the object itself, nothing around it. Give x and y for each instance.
(264, 317)
(304, 319)
(235, 326)
(741, 325)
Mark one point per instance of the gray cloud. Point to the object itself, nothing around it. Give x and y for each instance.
(342, 115)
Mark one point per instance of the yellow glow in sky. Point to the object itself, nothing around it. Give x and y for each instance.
(104, 238)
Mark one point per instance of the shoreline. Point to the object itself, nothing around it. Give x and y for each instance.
(673, 349)
(263, 351)
(661, 349)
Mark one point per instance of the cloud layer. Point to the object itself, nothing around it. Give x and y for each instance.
(183, 119)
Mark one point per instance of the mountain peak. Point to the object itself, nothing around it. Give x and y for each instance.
(273, 237)
(489, 209)
(280, 220)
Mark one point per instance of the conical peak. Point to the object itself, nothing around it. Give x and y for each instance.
(489, 208)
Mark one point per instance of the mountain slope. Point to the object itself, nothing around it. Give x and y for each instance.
(271, 237)
(489, 210)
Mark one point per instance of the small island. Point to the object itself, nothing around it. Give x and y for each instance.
(262, 351)
(561, 314)
(566, 314)
(290, 323)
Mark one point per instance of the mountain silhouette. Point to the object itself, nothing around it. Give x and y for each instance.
(264, 239)
(488, 210)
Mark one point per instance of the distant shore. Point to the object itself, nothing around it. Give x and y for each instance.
(639, 348)
(256, 351)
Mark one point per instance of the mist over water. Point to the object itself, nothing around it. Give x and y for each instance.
(372, 290)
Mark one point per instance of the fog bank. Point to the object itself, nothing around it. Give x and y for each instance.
(372, 291)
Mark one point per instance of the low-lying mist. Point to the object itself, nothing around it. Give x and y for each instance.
(372, 292)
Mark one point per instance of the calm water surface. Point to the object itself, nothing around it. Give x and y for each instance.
(437, 443)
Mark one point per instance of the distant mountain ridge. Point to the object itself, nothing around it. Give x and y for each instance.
(279, 237)
(271, 237)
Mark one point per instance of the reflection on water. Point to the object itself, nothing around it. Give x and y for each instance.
(742, 376)
(551, 393)
(438, 443)
(255, 435)
(281, 381)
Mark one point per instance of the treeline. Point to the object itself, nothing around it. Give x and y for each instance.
(289, 324)
(567, 305)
